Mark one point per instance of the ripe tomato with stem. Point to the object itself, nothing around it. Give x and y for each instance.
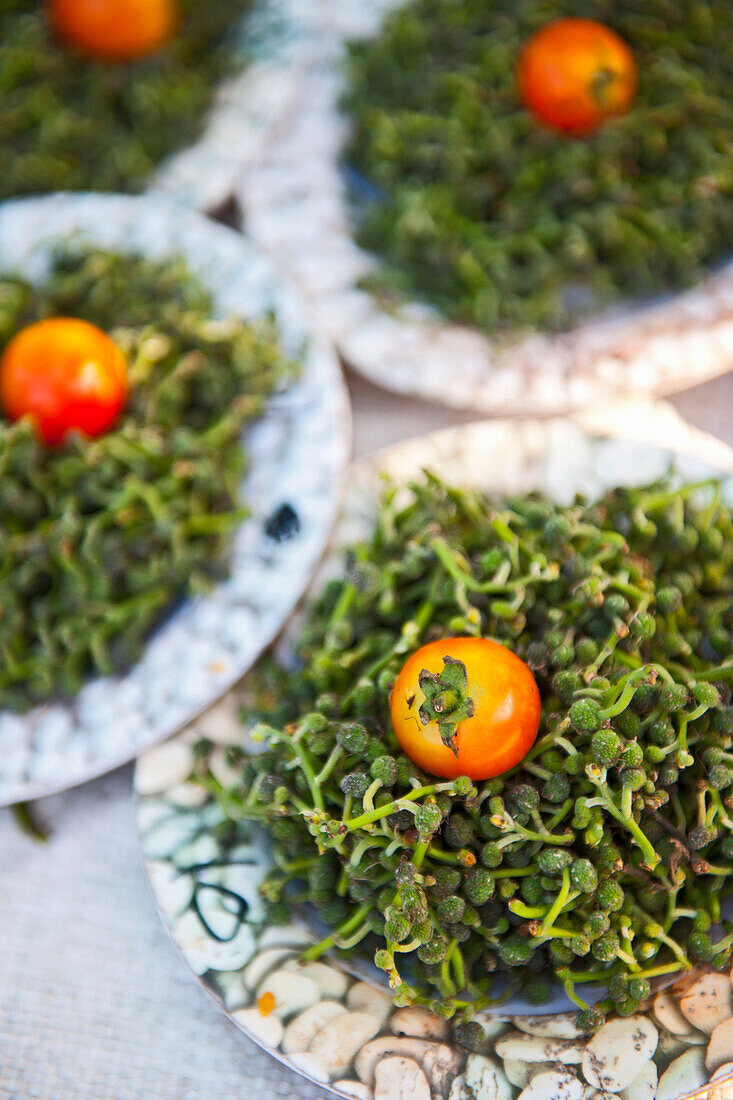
(114, 30)
(66, 375)
(465, 706)
(575, 73)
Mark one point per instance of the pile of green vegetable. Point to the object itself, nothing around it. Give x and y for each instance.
(99, 537)
(70, 123)
(603, 857)
(504, 224)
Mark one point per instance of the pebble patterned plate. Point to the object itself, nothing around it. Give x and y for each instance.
(294, 199)
(297, 453)
(205, 174)
(325, 1021)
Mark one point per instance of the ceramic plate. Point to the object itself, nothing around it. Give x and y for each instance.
(204, 175)
(297, 452)
(336, 1025)
(295, 203)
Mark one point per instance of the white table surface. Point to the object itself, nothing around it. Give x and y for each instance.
(95, 1004)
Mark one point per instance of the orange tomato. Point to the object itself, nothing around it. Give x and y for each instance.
(66, 375)
(574, 73)
(114, 30)
(482, 695)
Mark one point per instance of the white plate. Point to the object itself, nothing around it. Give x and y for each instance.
(295, 203)
(297, 451)
(204, 174)
(185, 852)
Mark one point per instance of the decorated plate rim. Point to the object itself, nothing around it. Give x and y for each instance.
(310, 461)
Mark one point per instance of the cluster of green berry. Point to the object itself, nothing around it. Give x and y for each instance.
(100, 537)
(504, 224)
(604, 855)
(70, 125)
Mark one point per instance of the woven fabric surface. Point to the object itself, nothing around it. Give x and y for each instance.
(95, 1003)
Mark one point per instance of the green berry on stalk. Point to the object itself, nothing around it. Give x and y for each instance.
(616, 605)
(628, 723)
(556, 788)
(353, 737)
(632, 756)
(590, 1019)
(414, 903)
(449, 910)
(582, 815)
(586, 650)
(561, 952)
(565, 684)
(674, 697)
(384, 959)
(639, 989)
(553, 761)
(396, 925)
(720, 777)
(444, 1007)
(606, 746)
(523, 797)
(491, 855)
(584, 715)
(433, 952)
(633, 778)
(643, 626)
(609, 896)
(532, 888)
(618, 988)
(480, 886)
(384, 768)
(669, 599)
(427, 820)
(583, 876)
(447, 880)
(605, 948)
(328, 703)
(553, 861)
(470, 1035)
(355, 784)
(464, 787)
(574, 764)
(593, 835)
(669, 775)
(422, 930)
(458, 831)
(706, 694)
(515, 951)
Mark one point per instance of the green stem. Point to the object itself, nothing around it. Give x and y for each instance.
(392, 807)
(318, 949)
